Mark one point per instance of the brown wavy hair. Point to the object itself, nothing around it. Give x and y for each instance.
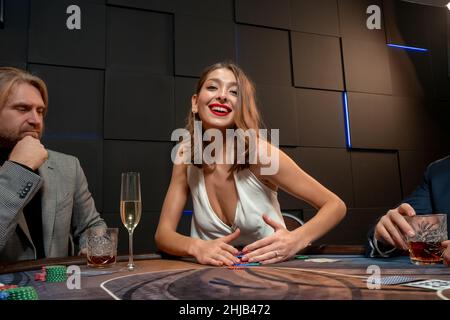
(246, 114)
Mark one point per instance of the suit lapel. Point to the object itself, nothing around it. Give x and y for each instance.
(49, 198)
(23, 225)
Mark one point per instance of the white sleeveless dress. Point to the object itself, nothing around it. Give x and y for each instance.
(254, 199)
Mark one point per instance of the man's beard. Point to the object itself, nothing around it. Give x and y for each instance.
(9, 141)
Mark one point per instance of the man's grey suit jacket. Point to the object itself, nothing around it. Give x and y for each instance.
(68, 208)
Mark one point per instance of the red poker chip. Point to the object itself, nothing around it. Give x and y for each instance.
(11, 286)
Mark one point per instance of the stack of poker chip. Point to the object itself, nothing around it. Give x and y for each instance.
(40, 276)
(8, 286)
(4, 295)
(21, 293)
(55, 273)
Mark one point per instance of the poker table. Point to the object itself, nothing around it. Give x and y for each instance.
(162, 278)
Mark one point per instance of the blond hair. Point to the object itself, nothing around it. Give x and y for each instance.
(9, 77)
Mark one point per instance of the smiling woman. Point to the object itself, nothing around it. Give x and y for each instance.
(235, 203)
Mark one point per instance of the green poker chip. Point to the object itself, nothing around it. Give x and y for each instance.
(22, 293)
(55, 273)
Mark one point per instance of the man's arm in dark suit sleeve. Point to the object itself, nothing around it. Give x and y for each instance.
(420, 200)
(18, 186)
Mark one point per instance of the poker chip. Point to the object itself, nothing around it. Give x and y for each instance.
(39, 276)
(4, 295)
(6, 287)
(22, 293)
(55, 273)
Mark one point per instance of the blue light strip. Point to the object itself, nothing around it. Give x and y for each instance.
(187, 212)
(407, 48)
(348, 139)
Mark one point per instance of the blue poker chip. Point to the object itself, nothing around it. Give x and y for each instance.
(4, 295)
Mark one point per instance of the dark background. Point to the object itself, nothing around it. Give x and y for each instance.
(121, 84)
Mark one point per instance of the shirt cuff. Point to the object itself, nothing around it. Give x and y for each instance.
(376, 246)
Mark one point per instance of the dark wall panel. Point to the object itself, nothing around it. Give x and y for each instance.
(151, 159)
(157, 5)
(139, 40)
(439, 27)
(407, 23)
(51, 42)
(264, 54)
(222, 10)
(413, 165)
(376, 179)
(184, 89)
(14, 34)
(332, 168)
(270, 13)
(319, 16)
(366, 66)
(411, 73)
(287, 201)
(317, 61)
(139, 106)
(191, 36)
(387, 122)
(353, 229)
(75, 101)
(374, 121)
(320, 118)
(278, 111)
(353, 21)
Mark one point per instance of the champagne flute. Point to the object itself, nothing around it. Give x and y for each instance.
(130, 208)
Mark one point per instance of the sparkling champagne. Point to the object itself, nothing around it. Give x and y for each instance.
(130, 212)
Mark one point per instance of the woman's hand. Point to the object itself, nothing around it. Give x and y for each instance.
(281, 245)
(217, 252)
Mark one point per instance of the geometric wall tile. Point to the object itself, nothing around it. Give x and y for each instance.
(277, 106)
(264, 54)
(320, 107)
(75, 101)
(353, 21)
(317, 61)
(156, 5)
(51, 41)
(151, 159)
(319, 16)
(269, 13)
(139, 106)
(13, 35)
(376, 179)
(366, 67)
(184, 89)
(407, 23)
(193, 54)
(210, 9)
(139, 40)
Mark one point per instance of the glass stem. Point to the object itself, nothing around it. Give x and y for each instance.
(130, 248)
